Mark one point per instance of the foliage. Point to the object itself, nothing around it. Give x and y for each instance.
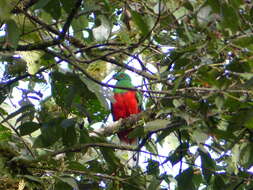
(194, 60)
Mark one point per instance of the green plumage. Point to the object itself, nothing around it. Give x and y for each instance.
(123, 80)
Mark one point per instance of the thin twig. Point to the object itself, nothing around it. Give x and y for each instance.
(19, 136)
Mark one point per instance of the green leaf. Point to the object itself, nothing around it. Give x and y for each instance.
(179, 153)
(5, 133)
(140, 23)
(246, 155)
(28, 127)
(177, 83)
(156, 125)
(246, 76)
(39, 142)
(151, 147)
(76, 166)
(230, 17)
(207, 165)
(215, 4)
(6, 8)
(73, 94)
(28, 115)
(69, 137)
(178, 102)
(199, 136)
(219, 101)
(51, 131)
(70, 181)
(188, 5)
(137, 132)
(185, 180)
(67, 5)
(98, 91)
(236, 3)
(109, 155)
(61, 185)
(33, 178)
(12, 33)
(153, 168)
(244, 42)
(248, 121)
(84, 136)
(204, 15)
(68, 123)
(53, 8)
(218, 182)
(90, 6)
(180, 12)
(41, 3)
(78, 26)
(154, 184)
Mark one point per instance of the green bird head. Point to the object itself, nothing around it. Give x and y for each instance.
(121, 76)
(123, 80)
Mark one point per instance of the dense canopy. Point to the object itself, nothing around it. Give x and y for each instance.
(190, 59)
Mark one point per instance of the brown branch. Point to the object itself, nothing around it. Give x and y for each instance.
(81, 172)
(26, 75)
(34, 46)
(140, 72)
(125, 123)
(80, 147)
(26, 5)
(76, 42)
(57, 41)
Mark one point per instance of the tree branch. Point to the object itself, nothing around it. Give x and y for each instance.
(125, 123)
(69, 20)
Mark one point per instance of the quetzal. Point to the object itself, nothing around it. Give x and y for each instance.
(126, 102)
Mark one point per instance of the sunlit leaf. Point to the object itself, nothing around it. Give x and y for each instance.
(12, 33)
(102, 32)
(5, 133)
(79, 25)
(246, 155)
(199, 136)
(204, 15)
(156, 125)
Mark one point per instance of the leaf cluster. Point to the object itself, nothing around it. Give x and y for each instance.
(193, 59)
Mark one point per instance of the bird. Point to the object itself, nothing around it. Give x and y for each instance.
(126, 102)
